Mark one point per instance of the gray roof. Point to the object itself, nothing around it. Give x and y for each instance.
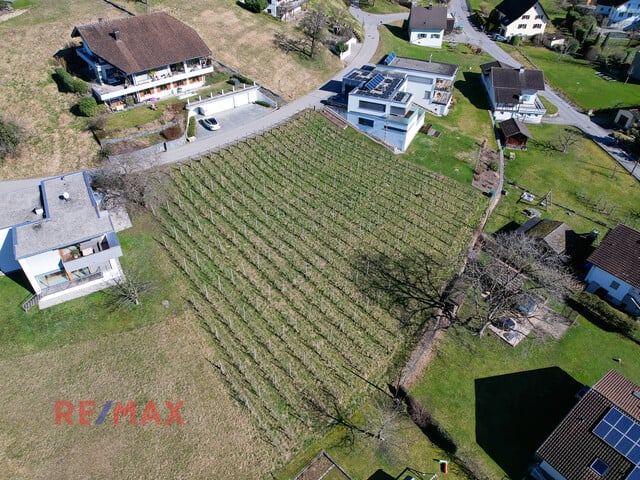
(19, 206)
(428, 18)
(512, 127)
(66, 222)
(508, 83)
(143, 42)
(422, 66)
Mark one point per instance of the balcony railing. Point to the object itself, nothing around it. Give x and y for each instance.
(73, 283)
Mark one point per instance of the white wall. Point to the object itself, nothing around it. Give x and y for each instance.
(431, 38)
(39, 264)
(529, 30)
(604, 279)
(8, 262)
(227, 101)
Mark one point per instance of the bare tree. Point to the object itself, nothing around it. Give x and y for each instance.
(314, 25)
(128, 291)
(567, 138)
(514, 268)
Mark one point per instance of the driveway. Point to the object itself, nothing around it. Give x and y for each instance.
(233, 119)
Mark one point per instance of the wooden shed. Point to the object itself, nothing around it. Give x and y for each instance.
(514, 134)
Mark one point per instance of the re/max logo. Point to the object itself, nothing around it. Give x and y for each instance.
(86, 411)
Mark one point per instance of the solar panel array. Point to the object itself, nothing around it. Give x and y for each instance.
(622, 434)
(377, 79)
(390, 58)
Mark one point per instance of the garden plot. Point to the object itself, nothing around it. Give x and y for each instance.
(267, 232)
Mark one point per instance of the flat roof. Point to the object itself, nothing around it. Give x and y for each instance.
(422, 66)
(69, 219)
(19, 206)
(387, 88)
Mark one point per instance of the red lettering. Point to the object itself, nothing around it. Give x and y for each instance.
(150, 413)
(66, 413)
(120, 411)
(85, 412)
(174, 412)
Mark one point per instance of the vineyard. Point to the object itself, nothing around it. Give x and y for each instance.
(268, 233)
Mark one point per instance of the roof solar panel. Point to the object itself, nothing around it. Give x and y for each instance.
(635, 474)
(390, 58)
(599, 467)
(613, 416)
(624, 424)
(623, 434)
(374, 82)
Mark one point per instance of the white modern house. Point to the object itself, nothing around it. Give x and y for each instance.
(427, 26)
(61, 237)
(431, 83)
(379, 104)
(619, 14)
(522, 18)
(615, 269)
(284, 9)
(513, 92)
(144, 57)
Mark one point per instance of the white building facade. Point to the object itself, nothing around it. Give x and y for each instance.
(522, 18)
(619, 14)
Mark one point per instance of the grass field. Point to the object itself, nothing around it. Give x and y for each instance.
(553, 7)
(576, 79)
(580, 180)
(500, 402)
(298, 213)
(56, 140)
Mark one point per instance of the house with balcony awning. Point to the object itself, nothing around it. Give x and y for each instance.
(143, 58)
(60, 235)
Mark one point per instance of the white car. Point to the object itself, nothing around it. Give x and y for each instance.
(210, 123)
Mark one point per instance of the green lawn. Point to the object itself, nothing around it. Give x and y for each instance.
(580, 180)
(466, 126)
(500, 402)
(577, 80)
(381, 7)
(88, 317)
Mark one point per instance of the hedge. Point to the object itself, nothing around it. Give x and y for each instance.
(191, 129)
(87, 106)
(600, 312)
(70, 83)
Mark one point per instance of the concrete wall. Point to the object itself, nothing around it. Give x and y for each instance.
(39, 264)
(228, 101)
(432, 38)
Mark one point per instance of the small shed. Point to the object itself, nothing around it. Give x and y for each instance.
(514, 134)
(627, 117)
(553, 40)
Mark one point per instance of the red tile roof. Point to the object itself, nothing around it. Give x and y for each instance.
(144, 42)
(619, 254)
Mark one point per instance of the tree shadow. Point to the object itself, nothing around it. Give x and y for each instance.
(471, 87)
(381, 475)
(516, 412)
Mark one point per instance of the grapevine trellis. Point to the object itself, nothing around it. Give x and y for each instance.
(267, 232)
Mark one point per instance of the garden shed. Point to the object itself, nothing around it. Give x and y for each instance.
(514, 134)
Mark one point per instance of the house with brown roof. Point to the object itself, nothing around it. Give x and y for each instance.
(521, 18)
(513, 92)
(144, 58)
(427, 26)
(615, 269)
(514, 134)
(551, 233)
(599, 439)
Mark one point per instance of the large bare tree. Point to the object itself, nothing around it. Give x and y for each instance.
(314, 26)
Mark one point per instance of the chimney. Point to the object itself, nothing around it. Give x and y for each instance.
(521, 69)
(116, 34)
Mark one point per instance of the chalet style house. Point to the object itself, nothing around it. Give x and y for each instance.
(598, 439)
(513, 92)
(142, 58)
(521, 18)
(615, 269)
(61, 237)
(619, 14)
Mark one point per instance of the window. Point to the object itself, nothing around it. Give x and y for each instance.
(525, 17)
(422, 35)
(394, 129)
(599, 467)
(537, 25)
(397, 111)
(365, 122)
(435, 35)
(615, 285)
(377, 107)
(538, 17)
(522, 26)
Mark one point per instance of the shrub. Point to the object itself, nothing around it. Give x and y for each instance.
(191, 129)
(10, 136)
(87, 106)
(341, 47)
(256, 6)
(172, 133)
(601, 313)
(242, 78)
(69, 83)
(516, 40)
(129, 101)
(263, 103)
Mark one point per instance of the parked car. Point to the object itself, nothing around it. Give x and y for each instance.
(210, 123)
(499, 38)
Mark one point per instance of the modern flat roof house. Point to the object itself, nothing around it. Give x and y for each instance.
(513, 92)
(619, 14)
(431, 83)
(615, 269)
(599, 439)
(379, 104)
(61, 237)
(145, 57)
